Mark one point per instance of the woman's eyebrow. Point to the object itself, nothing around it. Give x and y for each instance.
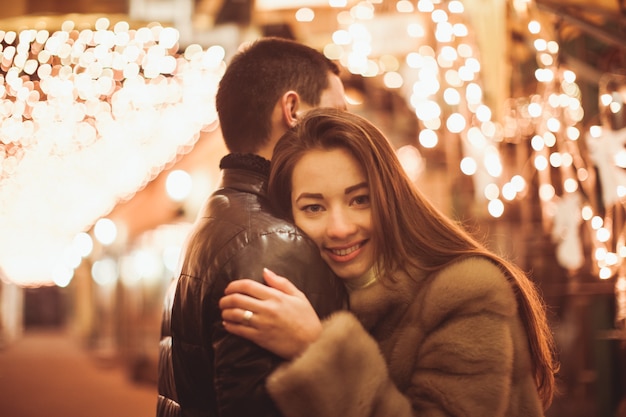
(356, 187)
(317, 196)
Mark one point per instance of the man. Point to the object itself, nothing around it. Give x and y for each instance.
(262, 92)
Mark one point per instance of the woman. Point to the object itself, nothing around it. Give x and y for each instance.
(438, 325)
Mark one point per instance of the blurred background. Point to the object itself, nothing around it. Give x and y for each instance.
(508, 114)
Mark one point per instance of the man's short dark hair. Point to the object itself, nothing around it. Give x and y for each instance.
(254, 81)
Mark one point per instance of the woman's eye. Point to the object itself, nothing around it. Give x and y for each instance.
(312, 208)
(362, 200)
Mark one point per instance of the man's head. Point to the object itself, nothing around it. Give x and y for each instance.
(266, 85)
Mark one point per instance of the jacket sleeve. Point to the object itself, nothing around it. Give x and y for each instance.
(460, 362)
(242, 367)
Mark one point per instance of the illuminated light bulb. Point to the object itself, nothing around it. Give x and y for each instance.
(460, 30)
(473, 93)
(603, 234)
(495, 208)
(552, 47)
(451, 96)
(427, 110)
(540, 45)
(393, 80)
(453, 78)
(404, 6)
(606, 99)
(586, 213)
(83, 244)
(615, 107)
(415, 30)
(535, 110)
(572, 133)
(553, 124)
(546, 192)
(456, 123)
(555, 159)
(541, 163)
(596, 222)
(337, 3)
(534, 27)
(595, 131)
(439, 16)
(611, 259)
(466, 74)
(333, 51)
(519, 183)
(465, 51)
(428, 138)
(600, 254)
(567, 160)
(388, 63)
(432, 124)
(305, 14)
(483, 113)
(549, 139)
(491, 191)
(363, 11)
(546, 59)
(455, 6)
(105, 231)
(570, 185)
(62, 276)
(492, 162)
(605, 273)
(468, 166)
(104, 271)
(443, 32)
(537, 143)
(489, 129)
(508, 191)
(178, 185)
(476, 137)
(425, 6)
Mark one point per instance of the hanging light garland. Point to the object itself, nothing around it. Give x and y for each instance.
(87, 118)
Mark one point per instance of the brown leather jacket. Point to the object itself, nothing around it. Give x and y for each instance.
(236, 236)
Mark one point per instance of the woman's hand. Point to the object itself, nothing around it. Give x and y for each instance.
(277, 316)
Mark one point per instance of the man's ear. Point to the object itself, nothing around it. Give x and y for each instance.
(290, 103)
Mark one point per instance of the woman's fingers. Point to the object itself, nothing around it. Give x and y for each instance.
(280, 283)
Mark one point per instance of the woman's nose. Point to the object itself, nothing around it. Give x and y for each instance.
(340, 225)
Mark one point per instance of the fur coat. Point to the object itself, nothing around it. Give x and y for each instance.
(447, 344)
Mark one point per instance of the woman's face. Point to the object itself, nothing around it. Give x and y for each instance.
(330, 200)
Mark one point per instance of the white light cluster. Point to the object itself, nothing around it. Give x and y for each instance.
(563, 164)
(87, 118)
(440, 77)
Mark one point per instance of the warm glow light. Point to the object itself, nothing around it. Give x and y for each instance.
(90, 116)
(305, 14)
(178, 185)
(495, 208)
(428, 138)
(468, 166)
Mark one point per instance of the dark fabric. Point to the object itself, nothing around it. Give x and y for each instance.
(236, 236)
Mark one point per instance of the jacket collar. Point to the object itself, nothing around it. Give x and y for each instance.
(245, 172)
(246, 161)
